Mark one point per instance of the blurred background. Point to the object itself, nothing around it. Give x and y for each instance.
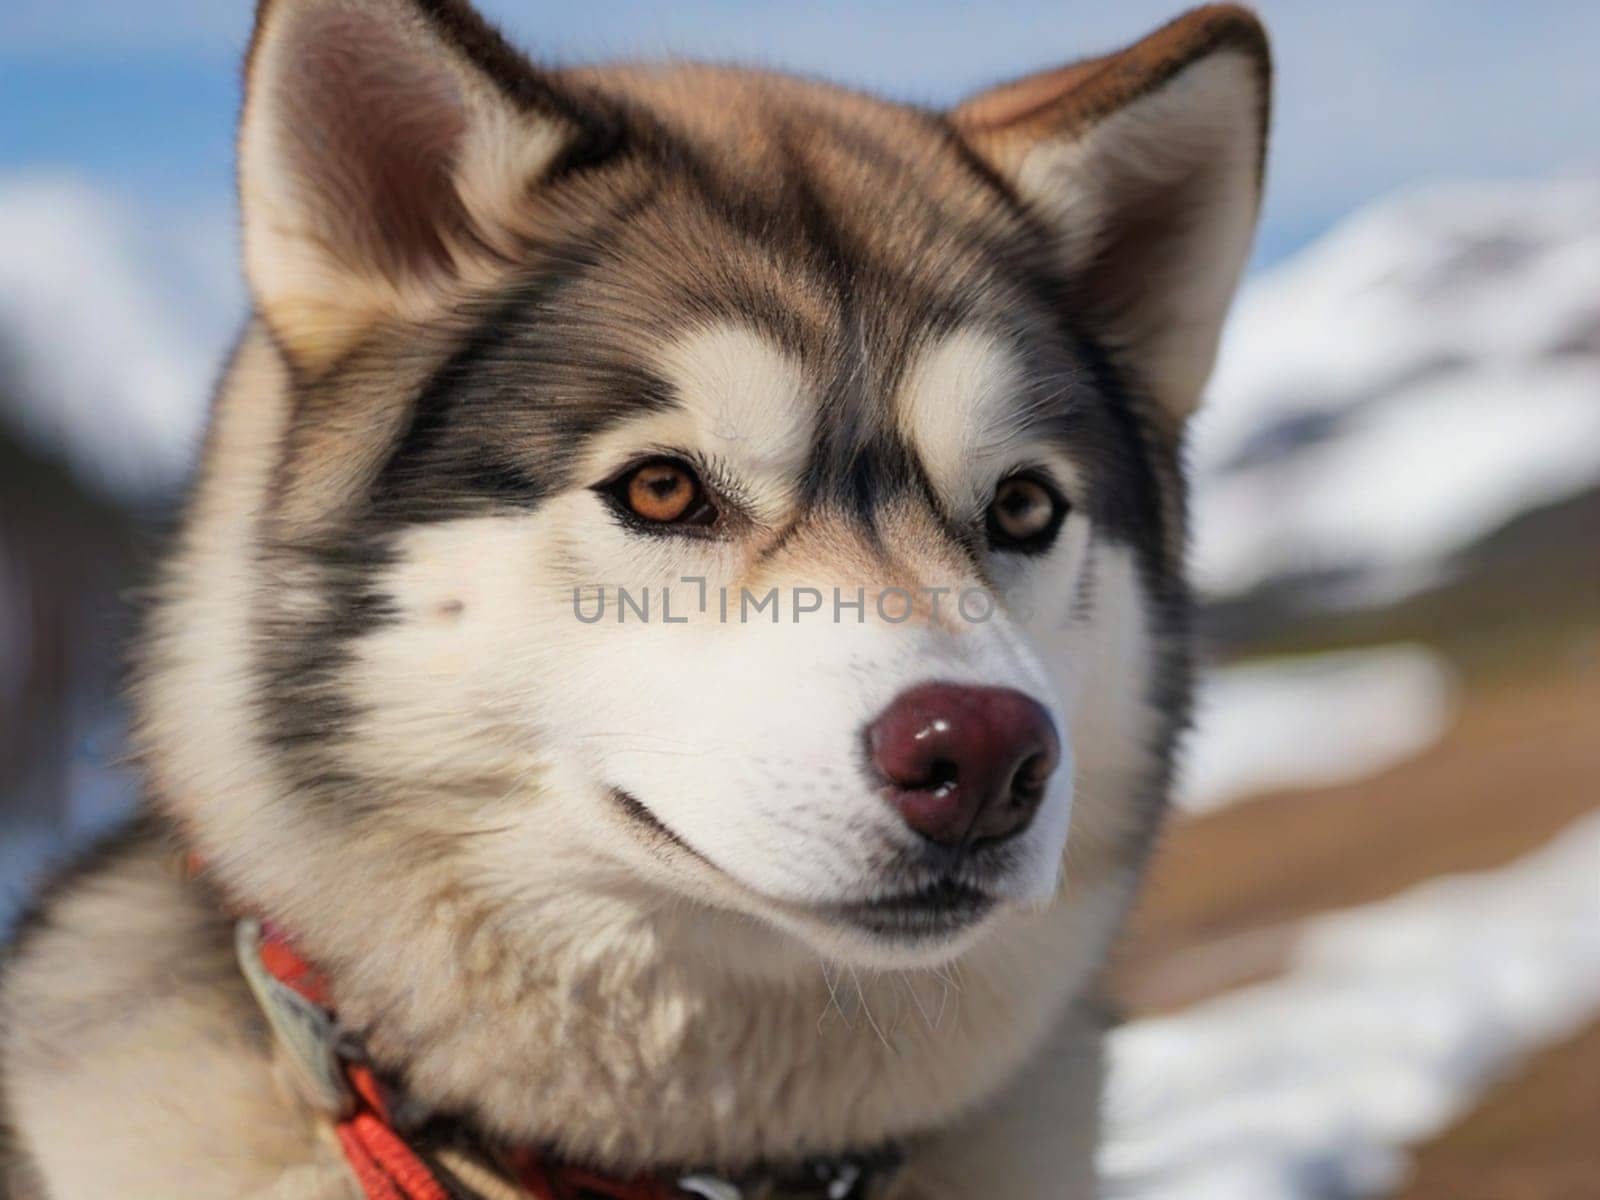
(1368, 962)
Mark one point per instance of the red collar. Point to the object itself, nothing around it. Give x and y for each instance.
(296, 1000)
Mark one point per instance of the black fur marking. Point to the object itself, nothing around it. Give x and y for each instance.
(1087, 590)
(303, 705)
(501, 423)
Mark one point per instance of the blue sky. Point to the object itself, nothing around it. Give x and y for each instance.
(141, 96)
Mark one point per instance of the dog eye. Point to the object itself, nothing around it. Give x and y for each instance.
(1024, 515)
(663, 491)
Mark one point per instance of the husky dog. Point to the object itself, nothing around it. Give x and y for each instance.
(680, 619)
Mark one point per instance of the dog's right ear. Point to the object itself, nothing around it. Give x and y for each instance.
(386, 154)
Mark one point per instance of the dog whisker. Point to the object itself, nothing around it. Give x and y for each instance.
(866, 1009)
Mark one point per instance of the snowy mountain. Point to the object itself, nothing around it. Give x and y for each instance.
(110, 330)
(1403, 387)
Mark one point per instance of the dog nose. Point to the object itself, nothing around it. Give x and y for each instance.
(964, 765)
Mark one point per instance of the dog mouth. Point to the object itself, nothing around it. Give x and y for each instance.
(637, 811)
(940, 908)
(935, 910)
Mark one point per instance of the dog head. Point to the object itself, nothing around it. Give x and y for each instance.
(700, 487)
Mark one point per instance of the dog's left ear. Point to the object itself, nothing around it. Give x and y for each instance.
(1146, 167)
(389, 157)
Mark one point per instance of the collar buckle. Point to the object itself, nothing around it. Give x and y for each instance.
(709, 1187)
(305, 1031)
(844, 1178)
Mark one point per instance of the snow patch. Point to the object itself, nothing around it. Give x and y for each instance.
(1391, 1020)
(1312, 721)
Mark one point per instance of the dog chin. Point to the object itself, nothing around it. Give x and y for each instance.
(923, 926)
(896, 933)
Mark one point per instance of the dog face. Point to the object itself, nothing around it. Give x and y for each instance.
(702, 485)
(714, 690)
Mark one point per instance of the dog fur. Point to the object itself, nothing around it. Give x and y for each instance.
(580, 884)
